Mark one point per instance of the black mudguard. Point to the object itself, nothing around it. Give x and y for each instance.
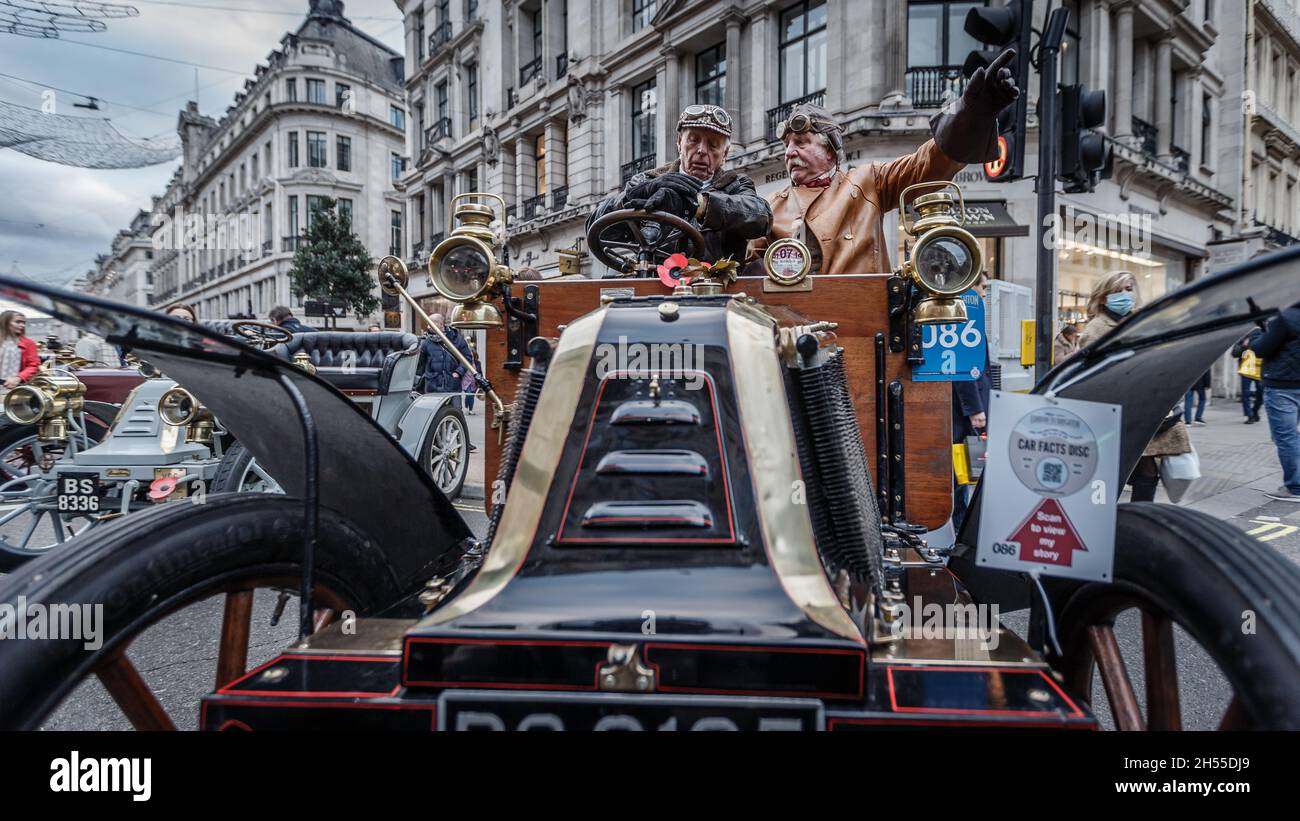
(365, 475)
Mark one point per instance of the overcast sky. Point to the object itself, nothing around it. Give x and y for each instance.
(55, 219)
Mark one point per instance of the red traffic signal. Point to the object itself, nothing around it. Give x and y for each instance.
(1000, 167)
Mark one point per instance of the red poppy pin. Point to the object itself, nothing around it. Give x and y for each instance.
(670, 273)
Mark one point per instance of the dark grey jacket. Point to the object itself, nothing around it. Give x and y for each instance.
(736, 213)
(1279, 346)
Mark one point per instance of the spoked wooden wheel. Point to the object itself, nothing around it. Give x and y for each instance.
(1187, 573)
(162, 562)
(136, 699)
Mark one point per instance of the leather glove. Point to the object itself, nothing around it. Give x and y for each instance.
(966, 131)
(683, 184)
(991, 90)
(669, 201)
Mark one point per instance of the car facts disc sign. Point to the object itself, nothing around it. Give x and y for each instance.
(1049, 488)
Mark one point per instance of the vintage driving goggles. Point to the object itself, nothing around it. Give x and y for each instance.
(800, 123)
(705, 115)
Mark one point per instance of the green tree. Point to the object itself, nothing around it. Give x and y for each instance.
(331, 263)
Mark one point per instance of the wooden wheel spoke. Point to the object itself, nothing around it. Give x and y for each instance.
(232, 657)
(1114, 677)
(132, 694)
(1163, 705)
(1235, 717)
(322, 618)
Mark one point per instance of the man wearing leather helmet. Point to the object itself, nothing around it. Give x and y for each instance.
(724, 204)
(839, 214)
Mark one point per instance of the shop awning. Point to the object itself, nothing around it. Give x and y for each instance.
(989, 218)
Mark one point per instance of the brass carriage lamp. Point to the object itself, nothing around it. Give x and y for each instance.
(46, 400)
(946, 260)
(178, 407)
(464, 267)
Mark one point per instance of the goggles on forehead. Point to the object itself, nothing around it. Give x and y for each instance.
(693, 114)
(800, 123)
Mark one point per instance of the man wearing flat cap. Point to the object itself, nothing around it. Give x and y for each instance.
(724, 204)
(839, 214)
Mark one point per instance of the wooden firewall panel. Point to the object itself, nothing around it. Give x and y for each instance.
(858, 302)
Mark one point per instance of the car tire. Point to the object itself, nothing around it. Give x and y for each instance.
(446, 430)
(1237, 598)
(232, 473)
(162, 560)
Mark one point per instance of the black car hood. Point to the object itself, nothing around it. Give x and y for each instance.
(365, 475)
(1147, 364)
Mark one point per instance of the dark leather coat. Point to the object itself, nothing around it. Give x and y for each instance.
(735, 214)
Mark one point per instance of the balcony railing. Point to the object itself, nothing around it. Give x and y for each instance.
(534, 206)
(561, 65)
(775, 116)
(510, 214)
(440, 130)
(633, 168)
(267, 248)
(934, 86)
(510, 98)
(440, 36)
(290, 243)
(1147, 136)
(1276, 236)
(1182, 158)
(529, 71)
(559, 197)
(417, 248)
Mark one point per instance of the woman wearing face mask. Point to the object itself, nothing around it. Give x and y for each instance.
(1112, 302)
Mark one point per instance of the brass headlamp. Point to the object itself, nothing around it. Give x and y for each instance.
(178, 407)
(46, 399)
(946, 260)
(464, 267)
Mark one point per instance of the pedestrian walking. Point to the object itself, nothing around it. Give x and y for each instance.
(1065, 344)
(1278, 344)
(970, 405)
(1249, 371)
(1111, 303)
(1199, 392)
(467, 383)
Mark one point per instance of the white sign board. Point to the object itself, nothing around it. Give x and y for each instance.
(1050, 486)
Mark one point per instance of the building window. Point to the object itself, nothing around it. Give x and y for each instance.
(316, 154)
(643, 120)
(342, 94)
(937, 47)
(345, 212)
(395, 233)
(293, 215)
(803, 50)
(396, 164)
(539, 146)
(344, 147)
(314, 204)
(316, 91)
(643, 11)
(396, 117)
(536, 20)
(471, 10)
(1207, 128)
(270, 168)
(419, 125)
(291, 90)
(471, 94)
(419, 35)
(711, 76)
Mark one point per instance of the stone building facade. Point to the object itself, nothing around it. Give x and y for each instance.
(126, 272)
(552, 104)
(323, 117)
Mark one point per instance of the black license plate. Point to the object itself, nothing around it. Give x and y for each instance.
(78, 493)
(487, 710)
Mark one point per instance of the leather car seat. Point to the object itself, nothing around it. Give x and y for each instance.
(373, 356)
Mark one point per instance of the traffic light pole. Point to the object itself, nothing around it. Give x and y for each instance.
(1049, 47)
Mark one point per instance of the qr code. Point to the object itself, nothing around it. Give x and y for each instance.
(1053, 473)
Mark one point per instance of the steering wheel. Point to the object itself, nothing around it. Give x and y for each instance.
(654, 236)
(262, 334)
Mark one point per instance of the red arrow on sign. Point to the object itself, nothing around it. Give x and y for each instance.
(1048, 536)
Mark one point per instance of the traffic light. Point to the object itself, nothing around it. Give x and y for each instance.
(1000, 28)
(1085, 154)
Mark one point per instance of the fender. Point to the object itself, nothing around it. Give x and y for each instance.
(415, 422)
(362, 467)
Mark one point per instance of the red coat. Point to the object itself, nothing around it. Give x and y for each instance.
(31, 362)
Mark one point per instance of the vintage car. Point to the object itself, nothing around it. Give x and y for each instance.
(72, 463)
(695, 544)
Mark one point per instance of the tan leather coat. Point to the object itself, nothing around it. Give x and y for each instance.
(847, 218)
